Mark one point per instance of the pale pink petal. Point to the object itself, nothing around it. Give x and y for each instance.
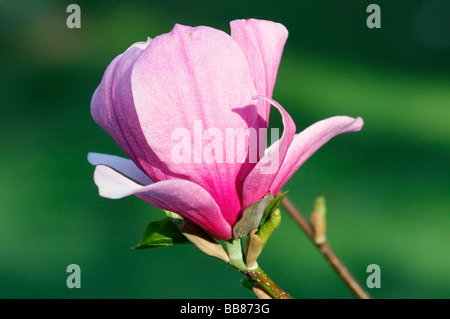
(120, 164)
(179, 196)
(112, 184)
(262, 43)
(258, 182)
(194, 78)
(309, 141)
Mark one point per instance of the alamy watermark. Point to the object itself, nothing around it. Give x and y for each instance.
(74, 19)
(374, 279)
(230, 145)
(374, 19)
(74, 279)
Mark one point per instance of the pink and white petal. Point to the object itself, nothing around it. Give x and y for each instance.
(120, 164)
(309, 141)
(185, 198)
(262, 43)
(257, 183)
(190, 201)
(194, 78)
(112, 184)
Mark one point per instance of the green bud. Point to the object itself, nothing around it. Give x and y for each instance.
(269, 226)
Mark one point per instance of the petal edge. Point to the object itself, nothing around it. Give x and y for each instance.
(307, 142)
(183, 197)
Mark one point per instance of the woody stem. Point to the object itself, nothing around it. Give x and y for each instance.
(257, 275)
(326, 250)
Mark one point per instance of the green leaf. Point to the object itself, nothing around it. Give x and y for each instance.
(274, 204)
(161, 233)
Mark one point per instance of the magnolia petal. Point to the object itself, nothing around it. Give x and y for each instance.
(179, 196)
(189, 81)
(262, 43)
(120, 164)
(113, 100)
(309, 141)
(259, 180)
(112, 184)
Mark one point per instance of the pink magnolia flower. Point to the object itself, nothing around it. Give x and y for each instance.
(226, 82)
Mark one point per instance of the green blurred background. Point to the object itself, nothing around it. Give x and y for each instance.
(387, 187)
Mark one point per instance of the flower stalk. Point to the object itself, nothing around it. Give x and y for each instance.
(259, 277)
(262, 285)
(234, 249)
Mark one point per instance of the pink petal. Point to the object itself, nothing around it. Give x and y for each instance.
(179, 196)
(120, 164)
(188, 75)
(262, 43)
(258, 182)
(112, 104)
(309, 141)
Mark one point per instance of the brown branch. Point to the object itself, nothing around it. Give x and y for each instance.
(325, 249)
